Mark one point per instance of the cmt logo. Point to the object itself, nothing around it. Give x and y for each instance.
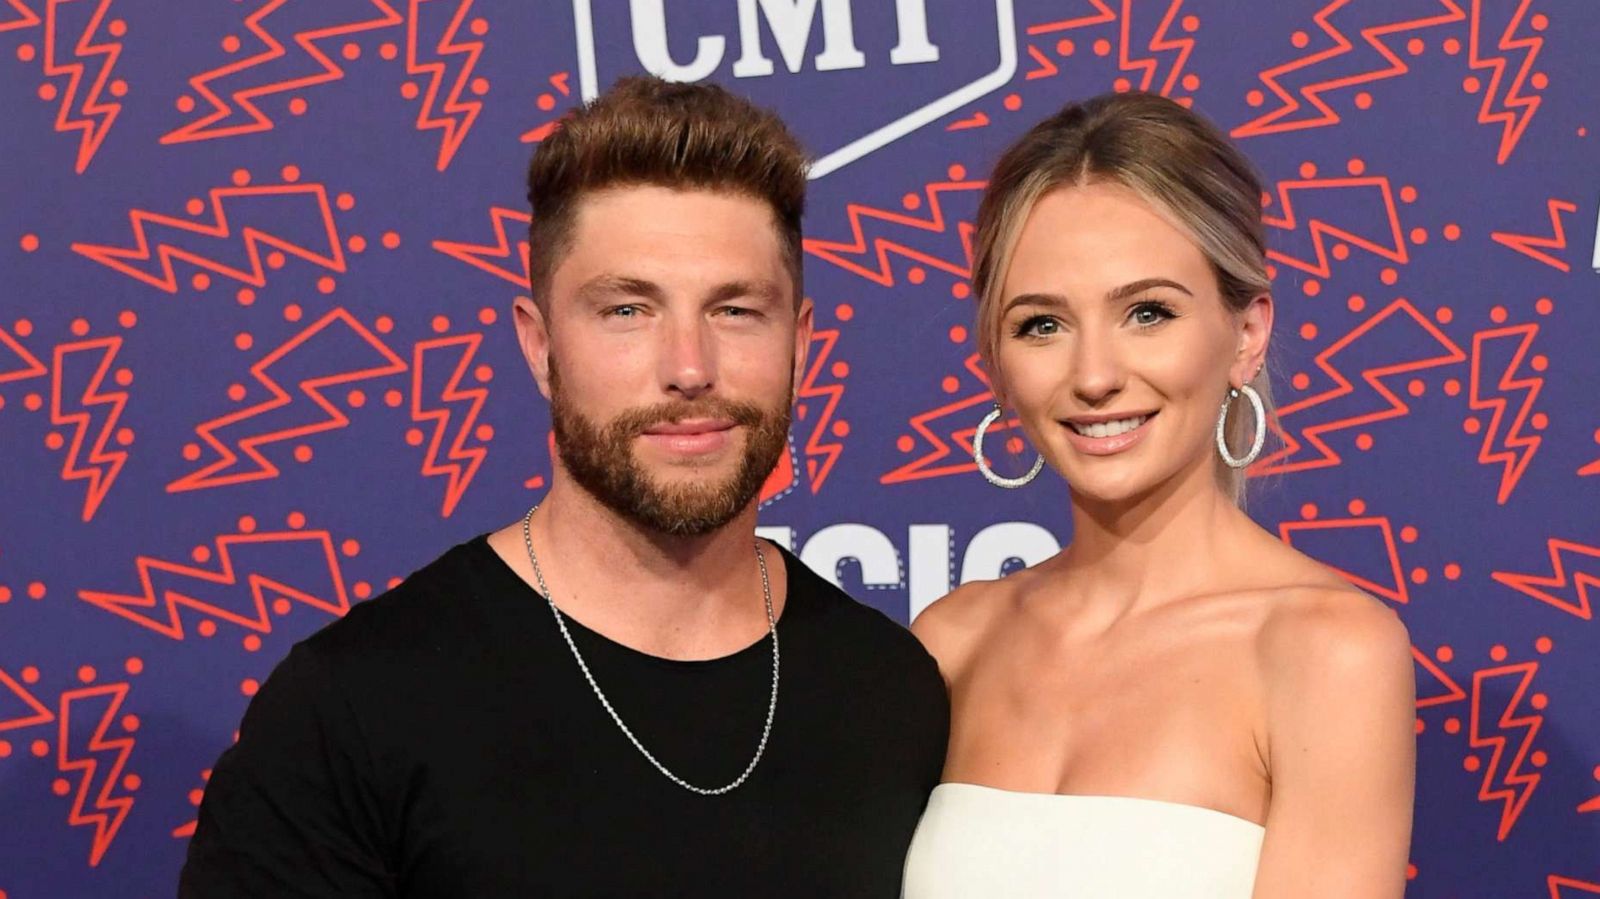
(848, 77)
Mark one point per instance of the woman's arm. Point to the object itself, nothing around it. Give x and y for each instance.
(1341, 749)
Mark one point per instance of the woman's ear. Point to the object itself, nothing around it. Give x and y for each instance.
(1255, 332)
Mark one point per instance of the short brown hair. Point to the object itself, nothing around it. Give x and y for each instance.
(1174, 159)
(648, 131)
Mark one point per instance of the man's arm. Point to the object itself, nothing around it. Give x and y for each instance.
(290, 809)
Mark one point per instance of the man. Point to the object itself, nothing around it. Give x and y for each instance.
(594, 700)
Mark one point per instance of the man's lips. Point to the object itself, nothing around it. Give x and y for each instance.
(690, 427)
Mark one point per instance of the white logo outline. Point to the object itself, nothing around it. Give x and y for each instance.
(872, 141)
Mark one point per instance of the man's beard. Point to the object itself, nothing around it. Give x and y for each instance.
(601, 460)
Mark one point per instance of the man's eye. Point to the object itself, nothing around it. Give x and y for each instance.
(628, 311)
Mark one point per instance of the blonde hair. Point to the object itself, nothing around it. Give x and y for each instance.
(1177, 162)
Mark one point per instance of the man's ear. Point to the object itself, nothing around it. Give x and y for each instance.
(1254, 334)
(802, 345)
(533, 336)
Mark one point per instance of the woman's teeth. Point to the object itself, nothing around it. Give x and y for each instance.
(1110, 428)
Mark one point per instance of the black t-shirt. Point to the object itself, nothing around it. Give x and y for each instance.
(440, 741)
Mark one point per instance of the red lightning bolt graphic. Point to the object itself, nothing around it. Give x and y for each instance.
(491, 258)
(1159, 43)
(1516, 108)
(306, 202)
(25, 17)
(1379, 525)
(559, 81)
(27, 365)
(1517, 448)
(1452, 690)
(95, 801)
(1539, 586)
(1373, 191)
(168, 586)
(845, 253)
(458, 115)
(35, 712)
(1557, 882)
(335, 329)
(78, 413)
(1534, 246)
(95, 115)
(1503, 780)
(821, 454)
(1291, 115)
(1101, 15)
(1403, 313)
(936, 462)
(463, 460)
(209, 126)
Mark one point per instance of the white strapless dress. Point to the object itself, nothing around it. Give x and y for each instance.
(976, 841)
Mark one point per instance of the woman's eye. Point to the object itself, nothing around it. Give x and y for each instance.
(1038, 326)
(1147, 314)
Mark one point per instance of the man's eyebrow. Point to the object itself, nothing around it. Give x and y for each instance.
(760, 289)
(604, 286)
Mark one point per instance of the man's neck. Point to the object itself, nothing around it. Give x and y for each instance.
(685, 597)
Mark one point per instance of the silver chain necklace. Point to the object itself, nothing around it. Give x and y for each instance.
(772, 704)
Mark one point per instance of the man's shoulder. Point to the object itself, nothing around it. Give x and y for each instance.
(852, 626)
(425, 609)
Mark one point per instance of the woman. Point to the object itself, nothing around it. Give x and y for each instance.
(1176, 704)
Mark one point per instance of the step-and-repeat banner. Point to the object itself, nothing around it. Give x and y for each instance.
(257, 363)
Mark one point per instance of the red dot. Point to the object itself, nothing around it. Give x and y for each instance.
(292, 312)
(1498, 653)
(1540, 421)
(345, 201)
(1452, 572)
(1308, 330)
(32, 402)
(1364, 441)
(1388, 276)
(1191, 82)
(30, 675)
(36, 590)
(1544, 645)
(1470, 84)
(1471, 425)
(124, 436)
(1301, 380)
(483, 374)
(1544, 306)
(362, 589)
(413, 436)
(252, 643)
(388, 51)
(1414, 46)
(391, 240)
(1497, 314)
(1452, 725)
(25, 52)
(841, 429)
(243, 341)
(207, 628)
(134, 665)
(297, 106)
(1419, 235)
(80, 326)
(357, 244)
(1299, 39)
(1308, 511)
(1471, 763)
(904, 443)
(1540, 362)
(950, 384)
(351, 51)
(1540, 701)
(246, 296)
(1014, 445)
(958, 334)
(1308, 170)
(1420, 727)
(280, 607)
(290, 173)
(1190, 23)
(47, 92)
(1452, 46)
(1065, 47)
(1122, 85)
(392, 398)
(840, 369)
(845, 312)
(230, 44)
(546, 102)
(960, 290)
(39, 748)
(440, 324)
(191, 451)
(29, 242)
(480, 86)
(248, 686)
(247, 524)
(5, 752)
(1102, 47)
(409, 90)
(1312, 287)
(1416, 387)
(487, 315)
(86, 674)
(479, 26)
(1540, 80)
(1363, 100)
(1356, 303)
(302, 453)
(60, 787)
(275, 260)
(1539, 21)
(131, 782)
(1254, 98)
(1452, 231)
(325, 284)
(54, 441)
(484, 433)
(296, 520)
(1357, 507)
(1408, 194)
(384, 324)
(1444, 314)
(916, 275)
(184, 104)
(1539, 757)
(957, 172)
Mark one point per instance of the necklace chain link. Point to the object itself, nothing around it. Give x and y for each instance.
(772, 703)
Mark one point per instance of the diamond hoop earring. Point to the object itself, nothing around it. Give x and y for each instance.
(983, 462)
(1261, 427)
